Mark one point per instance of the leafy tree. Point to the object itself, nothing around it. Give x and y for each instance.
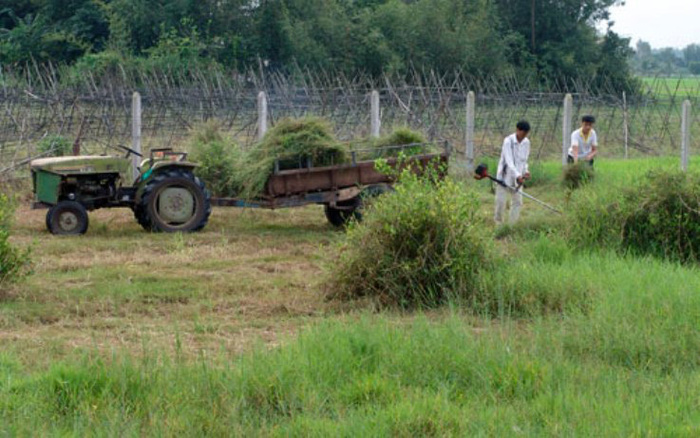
(694, 67)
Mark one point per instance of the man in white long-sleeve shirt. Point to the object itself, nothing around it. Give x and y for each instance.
(513, 170)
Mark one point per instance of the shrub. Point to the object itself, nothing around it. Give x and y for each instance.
(218, 159)
(13, 261)
(55, 146)
(663, 216)
(658, 215)
(420, 246)
(576, 175)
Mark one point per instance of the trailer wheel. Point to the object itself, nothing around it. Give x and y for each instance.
(339, 217)
(67, 218)
(174, 200)
(354, 208)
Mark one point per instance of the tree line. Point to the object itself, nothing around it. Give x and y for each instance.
(547, 40)
(666, 61)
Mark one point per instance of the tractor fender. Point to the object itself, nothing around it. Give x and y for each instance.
(158, 167)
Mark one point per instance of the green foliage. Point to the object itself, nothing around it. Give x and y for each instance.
(657, 215)
(485, 38)
(577, 174)
(107, 63)
(291, 142)
(218, 158)
(54, 146)
(14, 262)
(694, 67)
(420, 246)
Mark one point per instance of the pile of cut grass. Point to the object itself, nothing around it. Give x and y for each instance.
(218, 159)
(578, 174)
(402, 136)
(292, 143)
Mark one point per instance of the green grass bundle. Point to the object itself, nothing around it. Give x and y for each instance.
(219, 160)
(421, 246)
(292, 142)
(399, 137)
(578, 174)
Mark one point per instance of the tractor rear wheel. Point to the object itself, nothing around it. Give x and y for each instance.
(174, 200)
(67, 218)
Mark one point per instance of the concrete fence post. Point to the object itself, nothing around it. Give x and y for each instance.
(376, 121)
(566, 128)
(135, 131)
(262, 115)
(469, 140)
(626, 129)
(685, 135)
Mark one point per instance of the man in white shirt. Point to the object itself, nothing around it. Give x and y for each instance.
(513, 170)
(584, 142)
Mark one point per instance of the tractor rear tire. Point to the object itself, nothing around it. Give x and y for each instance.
(67, 218)
(174, 200)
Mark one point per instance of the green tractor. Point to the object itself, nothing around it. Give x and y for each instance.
(164, 195)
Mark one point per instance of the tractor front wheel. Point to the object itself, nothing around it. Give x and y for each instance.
(67, 218)
(174, 200)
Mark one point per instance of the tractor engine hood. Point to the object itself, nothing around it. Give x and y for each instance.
(84, 164)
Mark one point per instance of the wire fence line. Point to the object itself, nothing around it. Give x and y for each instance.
(95, 113)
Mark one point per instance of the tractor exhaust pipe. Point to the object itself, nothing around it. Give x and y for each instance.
(482, 171)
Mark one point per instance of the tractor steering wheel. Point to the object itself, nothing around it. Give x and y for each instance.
(129, 151)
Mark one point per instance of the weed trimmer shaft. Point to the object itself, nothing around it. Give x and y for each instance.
(482, 171)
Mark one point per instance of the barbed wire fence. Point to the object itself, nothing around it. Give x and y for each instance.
(95, 113)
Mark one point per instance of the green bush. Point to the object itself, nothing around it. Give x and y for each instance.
(420, 246)
(578, 174)
(55, 146)
(658, 215)
(219, 159)
(13, 261)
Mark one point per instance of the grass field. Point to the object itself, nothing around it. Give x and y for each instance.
(667, 87)
(227, 332)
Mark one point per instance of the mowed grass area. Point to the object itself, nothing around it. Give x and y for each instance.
(249, 274)
(226, 333)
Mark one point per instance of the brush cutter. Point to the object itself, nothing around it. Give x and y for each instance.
(482, 171)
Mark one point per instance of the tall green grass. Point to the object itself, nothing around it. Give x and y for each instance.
(627, 364)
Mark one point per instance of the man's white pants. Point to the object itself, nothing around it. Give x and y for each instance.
(516, 202)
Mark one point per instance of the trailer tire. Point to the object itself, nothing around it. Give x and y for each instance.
(174, 200)
(68, 218)
(340, 217)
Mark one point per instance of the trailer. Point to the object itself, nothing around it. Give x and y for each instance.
(342, 189)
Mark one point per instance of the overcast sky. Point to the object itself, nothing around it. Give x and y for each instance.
(661, 23)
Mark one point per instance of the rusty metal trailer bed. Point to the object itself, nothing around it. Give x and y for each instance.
(338, 188)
